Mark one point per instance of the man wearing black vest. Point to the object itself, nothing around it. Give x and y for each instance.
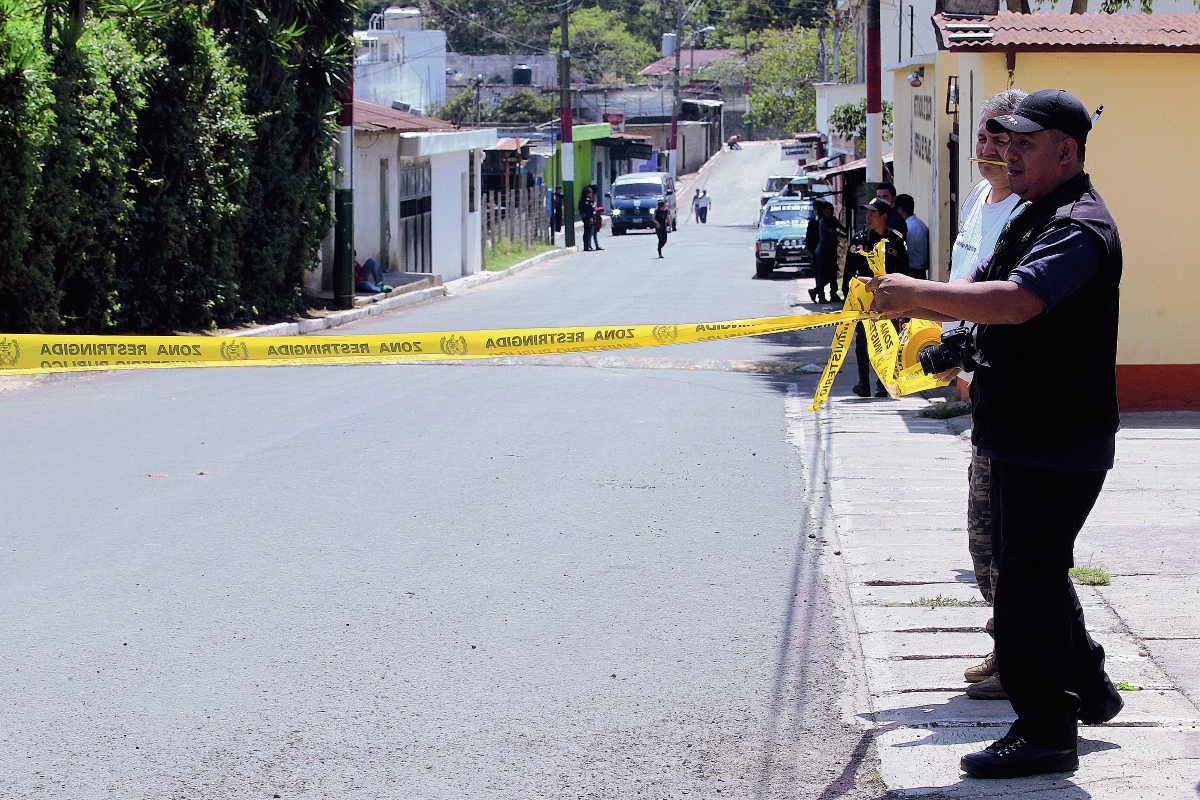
(1046, 308)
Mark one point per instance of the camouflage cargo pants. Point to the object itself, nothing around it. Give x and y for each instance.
(979, 525)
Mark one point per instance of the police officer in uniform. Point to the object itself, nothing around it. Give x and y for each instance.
(895, 261)
(1047, 306)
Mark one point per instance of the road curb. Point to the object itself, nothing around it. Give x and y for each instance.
(304, 326)
(456, 286)
(467, 282)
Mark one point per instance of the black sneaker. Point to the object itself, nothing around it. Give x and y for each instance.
(1010, 757)
(880, 391)
(862, 390)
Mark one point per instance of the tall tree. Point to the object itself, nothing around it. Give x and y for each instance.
(782, 74)
(602, 48)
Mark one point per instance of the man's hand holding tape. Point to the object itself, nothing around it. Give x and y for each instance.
(1046, 306)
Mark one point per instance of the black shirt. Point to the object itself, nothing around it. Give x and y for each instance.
(1047, 396)
(895, 258)
(662, 220)
(587, 210)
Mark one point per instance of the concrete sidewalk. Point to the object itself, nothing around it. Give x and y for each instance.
(897, 500)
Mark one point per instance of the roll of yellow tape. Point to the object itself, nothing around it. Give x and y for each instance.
(919, 334)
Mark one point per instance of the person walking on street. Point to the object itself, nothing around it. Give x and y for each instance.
(587, 213)
(702, 206)
(662, 224)
(1054, 276)
(916, 237)
(984, 213)
(830, 230)
(696, 205)
(895, 261)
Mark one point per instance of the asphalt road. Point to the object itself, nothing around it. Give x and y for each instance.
(440, 581)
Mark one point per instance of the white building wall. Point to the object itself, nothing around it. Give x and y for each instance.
(402, 66)
(448, 173)
(369, 150)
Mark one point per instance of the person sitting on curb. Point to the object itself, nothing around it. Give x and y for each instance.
(368, 277)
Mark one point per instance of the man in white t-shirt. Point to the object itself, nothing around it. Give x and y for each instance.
(986, 210)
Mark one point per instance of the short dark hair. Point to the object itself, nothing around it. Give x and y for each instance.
(890, 187)
(906, 203)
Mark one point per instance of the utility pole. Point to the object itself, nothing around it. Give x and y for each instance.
(343, 205)
(567, 158)
(874, 97)
(674, 160)
(837, 45)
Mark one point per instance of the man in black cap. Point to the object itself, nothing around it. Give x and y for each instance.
(895, 261)
(1046, 308)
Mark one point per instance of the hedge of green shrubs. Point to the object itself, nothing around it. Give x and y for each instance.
(164, 165)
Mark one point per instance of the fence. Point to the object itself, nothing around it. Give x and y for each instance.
(519, 216)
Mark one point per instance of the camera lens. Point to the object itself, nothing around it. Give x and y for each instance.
(939, 358)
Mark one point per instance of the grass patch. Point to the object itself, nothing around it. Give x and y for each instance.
(505, 254)
(1090, 576)
(945, 410)
(1126, 686)
(941, 602)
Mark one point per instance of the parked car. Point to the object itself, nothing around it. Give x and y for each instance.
(780, 242)
(635, 196)
(775, 184)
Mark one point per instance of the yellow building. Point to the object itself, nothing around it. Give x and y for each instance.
(1141, 155)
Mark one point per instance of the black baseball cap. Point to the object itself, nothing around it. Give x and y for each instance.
(878, 204)
(1046, 109)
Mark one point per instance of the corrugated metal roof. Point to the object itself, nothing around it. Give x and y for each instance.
(509, 143)
(888, 158)
(370, 116)
(1106, 32)
(688, 57)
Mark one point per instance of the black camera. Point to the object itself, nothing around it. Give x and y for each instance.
(955, 352)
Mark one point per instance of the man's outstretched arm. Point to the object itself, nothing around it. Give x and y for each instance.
(986, 302)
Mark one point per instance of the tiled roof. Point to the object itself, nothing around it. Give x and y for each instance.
(370, 116)
(1105, 32)
(702, 59)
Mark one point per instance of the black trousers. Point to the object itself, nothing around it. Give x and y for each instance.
(589, 234)
(861, 356)
(662, 240)
(1047, 661)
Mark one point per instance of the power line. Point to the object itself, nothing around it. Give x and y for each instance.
(470, 21)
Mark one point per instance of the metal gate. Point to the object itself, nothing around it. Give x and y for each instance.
(416, 235)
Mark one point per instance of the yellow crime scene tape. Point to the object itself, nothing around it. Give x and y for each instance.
(25, 354)
(892, 357)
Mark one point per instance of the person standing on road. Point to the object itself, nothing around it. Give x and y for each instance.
(696, 205)
(1054, 276)
(916, 237)
(702, 206)
(587, 213)
(598, 226)
(984, 213)
(662, 224)
(830, 230)
(895, 261)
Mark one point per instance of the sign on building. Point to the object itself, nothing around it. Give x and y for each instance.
(793, 151)
(617, 121)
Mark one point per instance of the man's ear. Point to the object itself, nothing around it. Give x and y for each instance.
(1068, 149)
